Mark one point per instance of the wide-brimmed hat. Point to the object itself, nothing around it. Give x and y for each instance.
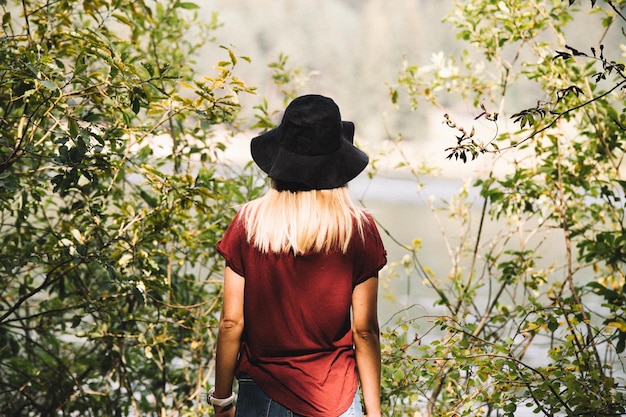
(312, 147)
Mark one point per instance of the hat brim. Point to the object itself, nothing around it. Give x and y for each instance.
(317, 171)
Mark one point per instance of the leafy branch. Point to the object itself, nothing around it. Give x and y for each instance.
(467, 144)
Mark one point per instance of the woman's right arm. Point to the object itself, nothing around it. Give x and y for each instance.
(229, 338)
(367, 343)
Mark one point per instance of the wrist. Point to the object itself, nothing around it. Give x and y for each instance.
(372, 412)
(226, 408)
(222, 403)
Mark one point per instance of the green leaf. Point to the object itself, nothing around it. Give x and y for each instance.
(49, 85)
(72, 127)
(76, 320)
(188, 5)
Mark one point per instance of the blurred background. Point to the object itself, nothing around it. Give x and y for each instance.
(349, 50)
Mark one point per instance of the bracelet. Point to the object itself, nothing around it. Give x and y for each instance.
(220, 402)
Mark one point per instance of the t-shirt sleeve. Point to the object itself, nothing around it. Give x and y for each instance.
(374, 256)
(231, 245)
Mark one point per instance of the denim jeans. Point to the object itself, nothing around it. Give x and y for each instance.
(252, 402)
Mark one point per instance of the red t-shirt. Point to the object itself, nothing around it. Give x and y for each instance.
(297, 343)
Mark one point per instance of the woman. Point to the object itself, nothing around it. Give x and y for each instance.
(298, 261)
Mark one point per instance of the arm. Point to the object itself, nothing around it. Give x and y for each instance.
(367, 343)
(229, 338)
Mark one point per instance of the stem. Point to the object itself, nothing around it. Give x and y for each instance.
(561, 207)
(566, 112)
(483, 214)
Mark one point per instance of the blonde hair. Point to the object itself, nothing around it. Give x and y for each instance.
(303, 221)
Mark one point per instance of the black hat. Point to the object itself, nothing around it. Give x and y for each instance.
(311, 147)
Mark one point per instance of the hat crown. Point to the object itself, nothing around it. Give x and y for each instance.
(312, 148)
(311, 126)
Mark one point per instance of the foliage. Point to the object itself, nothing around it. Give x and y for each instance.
(112, 197)
(518, 330)
(111, 200)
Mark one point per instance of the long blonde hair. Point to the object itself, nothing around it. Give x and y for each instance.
(303, 221)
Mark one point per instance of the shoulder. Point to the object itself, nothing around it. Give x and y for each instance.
(243, 213)
(236, 227)
(369, 224)
(367, 232)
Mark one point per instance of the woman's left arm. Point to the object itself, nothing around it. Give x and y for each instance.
(229, 338)
(367, 343)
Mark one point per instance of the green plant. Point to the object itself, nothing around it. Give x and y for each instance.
(111, 200)
(517, 329)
